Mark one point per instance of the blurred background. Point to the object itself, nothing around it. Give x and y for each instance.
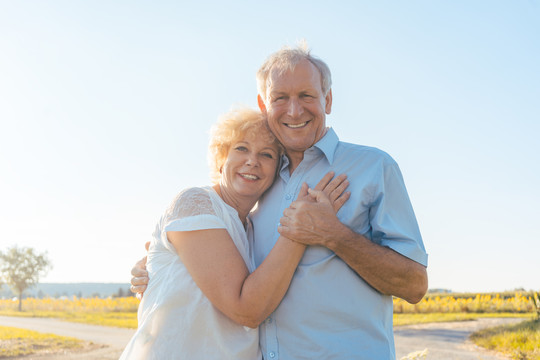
(105, 108)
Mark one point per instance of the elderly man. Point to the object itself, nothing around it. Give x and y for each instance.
(339, 304)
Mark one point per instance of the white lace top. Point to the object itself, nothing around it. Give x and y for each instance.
(176, 320)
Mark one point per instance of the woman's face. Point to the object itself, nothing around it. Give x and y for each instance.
(250, 167)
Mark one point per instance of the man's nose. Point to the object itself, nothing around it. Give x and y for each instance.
(295, 108)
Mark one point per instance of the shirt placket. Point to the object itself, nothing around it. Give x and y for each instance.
(292, 188)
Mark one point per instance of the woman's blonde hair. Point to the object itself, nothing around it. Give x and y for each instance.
(232, 127)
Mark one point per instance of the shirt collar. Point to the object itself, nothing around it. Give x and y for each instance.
(327, 145)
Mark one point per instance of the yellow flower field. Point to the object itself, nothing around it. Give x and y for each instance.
(122, 312)
(122, 304)
(519, 302)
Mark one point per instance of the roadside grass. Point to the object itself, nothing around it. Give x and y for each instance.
(16, 342)
(521, 341)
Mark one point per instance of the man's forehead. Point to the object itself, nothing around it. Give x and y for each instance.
(302, 76)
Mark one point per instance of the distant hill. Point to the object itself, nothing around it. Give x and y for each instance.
(57, 290)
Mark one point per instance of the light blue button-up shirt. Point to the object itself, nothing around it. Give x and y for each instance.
(329, 312)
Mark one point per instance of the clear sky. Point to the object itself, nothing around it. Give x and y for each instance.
(105, 108)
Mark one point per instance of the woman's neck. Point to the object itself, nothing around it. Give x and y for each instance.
(242, 205)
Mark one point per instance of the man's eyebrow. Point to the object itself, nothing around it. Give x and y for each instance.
(273, 93)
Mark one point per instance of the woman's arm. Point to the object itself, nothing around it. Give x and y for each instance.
(219, 271)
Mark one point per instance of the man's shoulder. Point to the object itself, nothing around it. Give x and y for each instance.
(359, 152)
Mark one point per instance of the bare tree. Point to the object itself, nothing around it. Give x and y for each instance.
(21, 268)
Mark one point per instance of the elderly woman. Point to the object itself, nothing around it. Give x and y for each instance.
(203, 283)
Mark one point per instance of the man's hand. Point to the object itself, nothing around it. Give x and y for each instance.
(311, 219)
(139, 280)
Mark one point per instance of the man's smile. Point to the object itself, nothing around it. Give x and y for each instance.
(297, 126)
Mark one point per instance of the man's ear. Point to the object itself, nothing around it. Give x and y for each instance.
(328, 106)
(262, 106)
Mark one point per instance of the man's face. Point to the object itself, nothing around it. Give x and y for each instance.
(296, 107)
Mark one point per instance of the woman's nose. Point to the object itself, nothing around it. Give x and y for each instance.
(251, 160)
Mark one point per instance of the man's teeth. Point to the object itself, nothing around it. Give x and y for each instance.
(297, 125)
(249, 176)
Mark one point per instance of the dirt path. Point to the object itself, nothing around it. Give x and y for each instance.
(446, 341)
(113, 339)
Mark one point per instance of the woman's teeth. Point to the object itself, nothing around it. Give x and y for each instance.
(249, 176)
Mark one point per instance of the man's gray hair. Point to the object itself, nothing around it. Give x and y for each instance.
(286, 59)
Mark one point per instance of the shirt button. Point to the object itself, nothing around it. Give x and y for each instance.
(288, 197)
(272, 354)
(269, 320)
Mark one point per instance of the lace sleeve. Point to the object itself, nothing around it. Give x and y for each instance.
(192, 209)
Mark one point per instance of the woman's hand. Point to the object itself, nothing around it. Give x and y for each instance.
(332, 188)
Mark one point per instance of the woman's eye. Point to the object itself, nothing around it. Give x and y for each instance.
(268, 155)
(240, 148)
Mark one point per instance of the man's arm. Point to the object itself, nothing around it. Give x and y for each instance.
(315, 223)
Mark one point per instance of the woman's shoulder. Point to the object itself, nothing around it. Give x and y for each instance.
(194, 193)
(192, 201)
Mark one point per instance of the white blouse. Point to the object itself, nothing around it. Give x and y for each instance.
(176, 320)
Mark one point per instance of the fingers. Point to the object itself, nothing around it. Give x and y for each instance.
(139, 284)
(138, 290)
(325, 180)
(335, 193)
(139, 270)
(139, 281)
(335, 184)
(319, 196)
(340, 201)
(303, 191)
(336, 201)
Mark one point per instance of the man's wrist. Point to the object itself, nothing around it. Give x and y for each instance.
(340, 234)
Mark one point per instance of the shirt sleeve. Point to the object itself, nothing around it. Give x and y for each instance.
(197, 222)
(192, 210)
(392, 218)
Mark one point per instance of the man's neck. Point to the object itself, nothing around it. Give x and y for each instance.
(294, 160)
